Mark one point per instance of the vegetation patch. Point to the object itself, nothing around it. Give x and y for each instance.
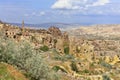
(56, 68)
(44, 48)
(8, 72)
(66, 50)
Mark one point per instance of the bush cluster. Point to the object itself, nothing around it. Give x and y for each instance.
(103, 63)
(24, 56)
(44, 48)
(106, 77)
(63, 58)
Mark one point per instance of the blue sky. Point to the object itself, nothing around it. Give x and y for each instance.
(62, 11)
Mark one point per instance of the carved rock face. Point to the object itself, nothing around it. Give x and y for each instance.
(65, 36)
(55, 31)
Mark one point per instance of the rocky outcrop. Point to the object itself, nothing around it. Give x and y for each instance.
(55, 31)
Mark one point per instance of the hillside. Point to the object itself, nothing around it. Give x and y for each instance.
(8, 72)
(97, 31)
(52, 54)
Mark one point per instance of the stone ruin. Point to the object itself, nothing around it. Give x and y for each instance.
(53, 37)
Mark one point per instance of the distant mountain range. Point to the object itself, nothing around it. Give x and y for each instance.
(47, 25)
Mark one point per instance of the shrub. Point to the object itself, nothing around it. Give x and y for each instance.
(56, 68)
(74, 67)
(66, 50)
(15, 53)
(64, 57)
(106, 77)
(85, 71)
(7, 48)
(106, 65)
(44, 48)
(26, 58)
(38, 69)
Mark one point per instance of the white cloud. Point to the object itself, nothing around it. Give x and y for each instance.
(42, 13)
(78, 4)
(100, 2)
(62, 4)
